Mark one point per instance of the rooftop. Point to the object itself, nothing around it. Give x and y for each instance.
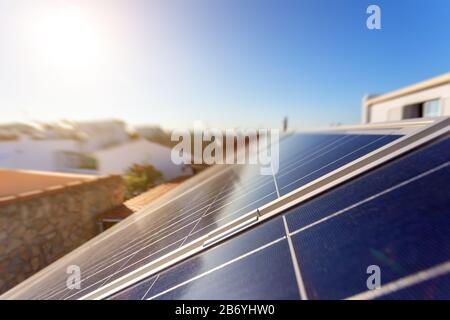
(427, 84)
(22, 183)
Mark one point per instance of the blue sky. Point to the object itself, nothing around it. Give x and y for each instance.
(226, 63)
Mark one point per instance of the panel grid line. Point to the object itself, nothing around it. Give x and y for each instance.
(298, 276)
(223, 265)
(150, 287)
(203, 215)
(342, 142)
(405, 282)
(375, 196)
(330, 163)
(295, 264)
(190, 232)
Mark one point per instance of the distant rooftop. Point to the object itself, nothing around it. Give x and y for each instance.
(427, 84)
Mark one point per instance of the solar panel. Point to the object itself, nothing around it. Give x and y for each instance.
(247, 254)
(207, 208)
(377, 219)
(327, 153)
(174, 225)
(228, 282)
(394, 231)
(152, 238)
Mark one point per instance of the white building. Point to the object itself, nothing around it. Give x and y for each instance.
(430, 98)
(33, 154)
(118, 159)
(100, 147)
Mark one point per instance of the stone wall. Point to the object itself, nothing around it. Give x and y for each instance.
(39, 227)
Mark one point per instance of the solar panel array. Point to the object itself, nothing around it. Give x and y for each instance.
(321, 249)
(295, 255)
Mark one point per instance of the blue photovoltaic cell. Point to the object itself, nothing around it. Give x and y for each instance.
(434, 289)
(371, 183)
(213, 258)
(334, 152)
(266, 274)
(403, 231)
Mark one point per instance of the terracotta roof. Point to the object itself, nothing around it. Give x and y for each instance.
(19, 185)
(15, 182)
(140, 201)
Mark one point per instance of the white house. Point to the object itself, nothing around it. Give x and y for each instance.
(33, 154)
(430, 98)
(118, 159)
(97, 147)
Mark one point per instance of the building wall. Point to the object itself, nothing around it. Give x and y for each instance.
(39, 228)
(32, 154)
(391, 110)
(118, 160)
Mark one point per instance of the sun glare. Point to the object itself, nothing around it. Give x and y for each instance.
(66, 38)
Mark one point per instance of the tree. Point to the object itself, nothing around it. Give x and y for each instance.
(139, 178)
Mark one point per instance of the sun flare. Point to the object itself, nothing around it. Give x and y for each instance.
(66, 38)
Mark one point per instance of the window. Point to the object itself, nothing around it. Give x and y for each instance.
(413, 111)
(418, 110)
(431, 108)
(75, 160)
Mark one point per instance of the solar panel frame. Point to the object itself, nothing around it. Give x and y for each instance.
(417, 133)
